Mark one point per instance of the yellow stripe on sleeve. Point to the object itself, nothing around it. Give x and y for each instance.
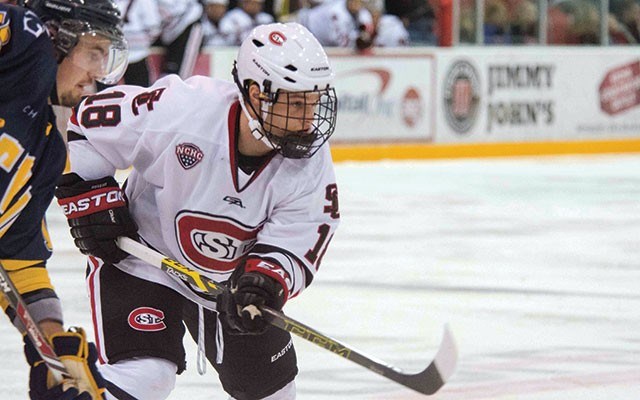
(28, 275)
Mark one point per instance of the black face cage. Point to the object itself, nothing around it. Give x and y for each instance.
(290, 139)
(306, 123)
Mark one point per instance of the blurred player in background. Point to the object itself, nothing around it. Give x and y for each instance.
(181, 35)
(49, 53)
(239, 21)
(214, 10)
(340, 23)
(388, 30)
(234, 180)
(173, 25)
(142, 25)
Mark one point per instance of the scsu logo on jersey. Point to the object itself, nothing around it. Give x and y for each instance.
(147, 319)
(213, 242)
(219, 246)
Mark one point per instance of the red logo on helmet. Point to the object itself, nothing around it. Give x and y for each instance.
(147, 319)
(277, 38)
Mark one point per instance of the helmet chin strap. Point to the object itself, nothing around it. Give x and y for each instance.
(256, 128)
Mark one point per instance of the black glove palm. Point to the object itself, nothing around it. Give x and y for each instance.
(97, 214)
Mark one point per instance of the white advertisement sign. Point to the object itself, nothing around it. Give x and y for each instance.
(538, 94)
(378, 101)
(481, 94)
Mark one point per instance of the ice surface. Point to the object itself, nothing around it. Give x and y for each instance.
(534, 262)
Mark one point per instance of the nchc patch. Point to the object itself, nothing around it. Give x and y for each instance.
(5, 29)
(188, 155)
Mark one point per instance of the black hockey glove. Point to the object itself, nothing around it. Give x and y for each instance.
(78, 356)
(97, 214)
(254, 283)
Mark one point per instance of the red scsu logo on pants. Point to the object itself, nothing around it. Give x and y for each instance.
(147, 319)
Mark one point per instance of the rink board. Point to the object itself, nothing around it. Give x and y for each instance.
(478, 101)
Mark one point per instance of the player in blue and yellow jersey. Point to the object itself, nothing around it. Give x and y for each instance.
(50, 51)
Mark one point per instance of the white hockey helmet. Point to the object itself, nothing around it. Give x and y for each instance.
(281, 59)
(286, 55)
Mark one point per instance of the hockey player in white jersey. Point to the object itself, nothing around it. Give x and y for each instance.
(239, 21)
(340, 23)
(234, 180)
(173, 24)
(214, 11)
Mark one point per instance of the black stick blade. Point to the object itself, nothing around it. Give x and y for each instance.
(438, 372)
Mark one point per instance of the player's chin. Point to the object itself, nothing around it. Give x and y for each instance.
(72, 97)
(282, 132)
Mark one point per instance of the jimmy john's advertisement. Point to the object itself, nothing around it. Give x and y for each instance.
(548, 94)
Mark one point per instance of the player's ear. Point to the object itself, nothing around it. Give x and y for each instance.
(254, 95)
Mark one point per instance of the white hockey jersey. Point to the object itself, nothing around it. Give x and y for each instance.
(390, 32)
(177, 15)
(142, 26)
(186, 192)
(333, 25)
(146, 20)
(213, 35)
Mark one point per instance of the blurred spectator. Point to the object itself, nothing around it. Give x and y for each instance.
(418, 17)
(626, 13)
(388, 30)
(496, 23)
(467, 21)
(618, 32)
(573, 22)
(586, 27)
(239, 22)
(524, 22)
(340, 23)
(214, 10)
(559, 19)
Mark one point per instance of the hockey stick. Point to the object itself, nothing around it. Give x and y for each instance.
(426, 382)
(44, 349)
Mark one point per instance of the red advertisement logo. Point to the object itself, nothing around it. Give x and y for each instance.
(620, 89)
